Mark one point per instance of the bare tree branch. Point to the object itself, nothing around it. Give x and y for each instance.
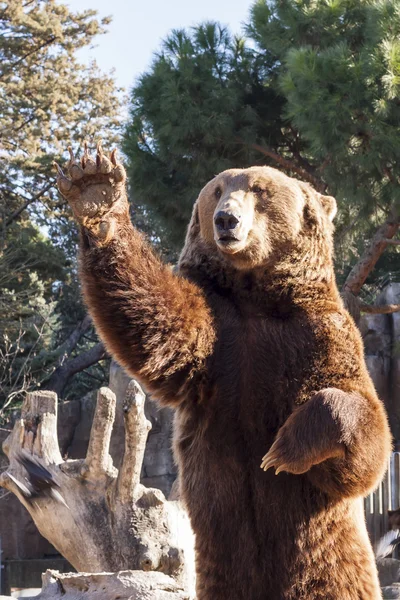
(30, 201)
(70, 343)
(12, 66)
(386, 309)
(359, 273)
(61, 375)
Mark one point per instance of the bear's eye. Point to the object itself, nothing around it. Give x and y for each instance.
(256, 189)
(218, 193)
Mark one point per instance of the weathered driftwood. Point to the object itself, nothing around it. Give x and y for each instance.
(111, 521)
(125, 585)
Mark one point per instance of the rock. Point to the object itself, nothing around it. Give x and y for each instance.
(159, 469)
(381, 336)
(389, 295)
(376, 331)
(388, 571)
(125, 585)
(391, 592)
(377, 338)
(379, 368)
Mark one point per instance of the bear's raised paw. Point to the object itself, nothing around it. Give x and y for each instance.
(95, 189)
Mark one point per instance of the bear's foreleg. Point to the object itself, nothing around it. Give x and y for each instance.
(340, 439)
(155, 323)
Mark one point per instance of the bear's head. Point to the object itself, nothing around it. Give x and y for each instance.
(259, 218)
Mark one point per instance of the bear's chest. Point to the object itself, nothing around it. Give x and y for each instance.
(260, 368)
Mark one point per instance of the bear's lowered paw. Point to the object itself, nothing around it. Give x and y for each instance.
(304, 441)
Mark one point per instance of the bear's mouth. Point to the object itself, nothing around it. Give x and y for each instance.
(229, 244)
(228, 238)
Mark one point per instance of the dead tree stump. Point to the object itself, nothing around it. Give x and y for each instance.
(111, 521)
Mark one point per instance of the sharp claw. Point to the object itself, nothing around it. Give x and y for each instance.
(270, 459)
(99, 154)
(64, 184)
(59, 169)
(281, 468)
(85, 155)
(267, 464)
(71, 154)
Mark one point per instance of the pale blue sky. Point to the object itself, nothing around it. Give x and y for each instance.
(139, 26)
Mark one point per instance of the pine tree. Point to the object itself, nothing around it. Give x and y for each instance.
(200, 109)
(338, 67)
(48, 100)
(315, 93)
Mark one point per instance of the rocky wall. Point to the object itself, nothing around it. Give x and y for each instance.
(381, 335)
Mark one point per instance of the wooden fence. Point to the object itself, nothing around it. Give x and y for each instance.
(385, 497)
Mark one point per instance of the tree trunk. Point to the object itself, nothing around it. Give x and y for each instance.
(359, 273)
(109, 521)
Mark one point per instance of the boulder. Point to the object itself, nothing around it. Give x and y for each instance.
(388, 571)
(391, 592)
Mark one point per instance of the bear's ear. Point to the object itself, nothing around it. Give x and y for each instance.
(193, 229)
(195, 221)
(189, 251)
(329, 205)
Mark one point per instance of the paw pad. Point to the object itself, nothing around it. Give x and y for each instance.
(92, 185)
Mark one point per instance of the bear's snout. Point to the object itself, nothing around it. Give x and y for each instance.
(232, 220)
(226, 222)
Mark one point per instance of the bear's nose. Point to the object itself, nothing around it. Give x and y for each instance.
(224, 221)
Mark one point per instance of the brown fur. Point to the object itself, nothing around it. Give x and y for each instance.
(256, 352)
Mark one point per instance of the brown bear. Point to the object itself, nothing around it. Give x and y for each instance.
(252, 346)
